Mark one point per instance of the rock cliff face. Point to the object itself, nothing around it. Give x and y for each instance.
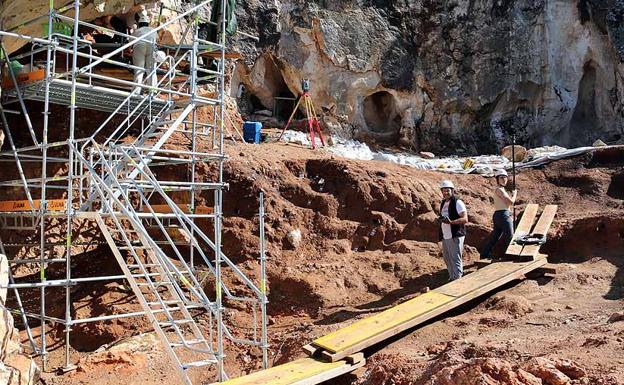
(444, 75)
(451, 75)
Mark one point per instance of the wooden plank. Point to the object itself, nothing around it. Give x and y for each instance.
(310, 350)
(542, 227)
(217, 54)
(304, 371)
(185, 207)
(523, 228)
(482, 263)
(23, 205)
(363, 330)
(355, 358)
(368, 332)
(481, 277)
(549, 268)
(328, 375)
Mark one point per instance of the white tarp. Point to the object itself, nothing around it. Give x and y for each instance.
(483, 164)
(544, 157)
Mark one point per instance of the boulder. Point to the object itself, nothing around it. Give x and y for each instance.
(520, 152)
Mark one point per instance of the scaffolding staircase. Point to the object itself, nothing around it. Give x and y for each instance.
(111, 179)
(167, 292)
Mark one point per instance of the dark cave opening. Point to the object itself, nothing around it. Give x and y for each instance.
(584, 8)
(280, 102)
(272, 93)
(380, 113)
(585, 118)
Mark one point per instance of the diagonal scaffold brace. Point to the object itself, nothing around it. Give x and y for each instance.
(311, 122)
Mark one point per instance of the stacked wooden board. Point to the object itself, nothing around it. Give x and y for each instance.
(525, 227)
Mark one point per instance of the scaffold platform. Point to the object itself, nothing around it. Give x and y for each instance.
(87, 96)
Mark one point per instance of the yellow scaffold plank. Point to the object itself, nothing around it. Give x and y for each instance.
(388, 320)
(23, 205)
(488, 278)
(369, 331)
(304, 371)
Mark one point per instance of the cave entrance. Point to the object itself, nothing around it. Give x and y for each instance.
(380, 113)
(267, 90)
(584, 119)
(280, 100)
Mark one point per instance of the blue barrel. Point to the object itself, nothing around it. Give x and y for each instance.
(251, 132)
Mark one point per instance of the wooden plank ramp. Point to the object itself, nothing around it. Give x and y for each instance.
(379, 327)
(523, 228)
(304, 371)
(541, 227)
(526, 227)
(338, 349)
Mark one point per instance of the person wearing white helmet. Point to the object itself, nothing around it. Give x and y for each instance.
(502, 219)
(453, 218)
(143, 52)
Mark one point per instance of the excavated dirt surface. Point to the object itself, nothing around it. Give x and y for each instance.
(368, 241)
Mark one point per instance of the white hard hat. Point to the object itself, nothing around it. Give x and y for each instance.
(447, 184)
(160, 56)
(143, 18)
(500, 172)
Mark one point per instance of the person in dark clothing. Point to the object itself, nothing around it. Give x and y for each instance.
(453, 218)
(503, 222)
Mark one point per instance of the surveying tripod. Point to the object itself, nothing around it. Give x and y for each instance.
(311, 121)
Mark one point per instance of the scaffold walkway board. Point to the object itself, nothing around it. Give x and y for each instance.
(371, 330)
(525, 227)
(304, 371)
(87, 96)
(24, 205)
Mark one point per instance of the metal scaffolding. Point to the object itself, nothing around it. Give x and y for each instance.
(163, 232)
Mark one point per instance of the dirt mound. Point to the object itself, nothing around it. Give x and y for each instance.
(496, 371)
(514, 305)
(368, 240)
(396, 369)
(351, 214)
(467, 364)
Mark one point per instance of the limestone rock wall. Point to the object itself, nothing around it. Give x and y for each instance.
(15, 368)
(448, 76)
